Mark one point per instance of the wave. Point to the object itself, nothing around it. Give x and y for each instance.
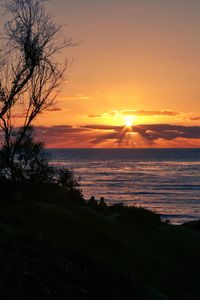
(167, 180)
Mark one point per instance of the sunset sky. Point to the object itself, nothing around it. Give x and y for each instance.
(135, 76)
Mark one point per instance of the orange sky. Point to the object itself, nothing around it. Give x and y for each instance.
(136, 58)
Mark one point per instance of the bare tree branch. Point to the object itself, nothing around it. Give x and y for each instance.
(29, 73)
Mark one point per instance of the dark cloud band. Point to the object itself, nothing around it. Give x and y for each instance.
(96, 134)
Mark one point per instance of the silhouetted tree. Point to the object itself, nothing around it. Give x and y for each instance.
(67, 181)
(30, 162)
(29, 73)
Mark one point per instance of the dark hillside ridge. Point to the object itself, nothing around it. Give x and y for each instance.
(55, 248)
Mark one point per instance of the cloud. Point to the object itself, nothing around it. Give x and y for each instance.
(167, 131)
(195, 118)
(94, 116)
(19, 116)
(54, 109)
(23, 114)
(57, 130)
(61, 135)
(150, 112)
(115, 136)
(102, 127)
(113, 113)
(76, 97)
(144, 113)
(149, 134)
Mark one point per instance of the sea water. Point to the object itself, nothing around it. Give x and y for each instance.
(164, 180)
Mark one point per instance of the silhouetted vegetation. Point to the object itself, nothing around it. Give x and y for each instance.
(53, 243)
(194, 225)
(134, 214)
(56, 245)
(56, 249)
(30, 162)
(30, 173)
(29, 80)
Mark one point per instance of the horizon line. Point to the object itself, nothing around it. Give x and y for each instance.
(153, 148)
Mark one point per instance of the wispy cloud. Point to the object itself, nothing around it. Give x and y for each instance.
(102, 127)
(150, 112)
(146, 113)
(94, 116)
(76, 97)
(19, 115)
(61, 135)
(197, 118)
(54, 109)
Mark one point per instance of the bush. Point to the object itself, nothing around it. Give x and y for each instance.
(193, 225)
(26, 161)
(132, 214)
(66, 181)
(25, 171)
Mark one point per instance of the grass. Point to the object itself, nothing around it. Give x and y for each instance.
(55, 249)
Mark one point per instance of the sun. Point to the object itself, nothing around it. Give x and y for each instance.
(128, 121)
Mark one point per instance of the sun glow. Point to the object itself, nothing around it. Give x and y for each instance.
(129, 120)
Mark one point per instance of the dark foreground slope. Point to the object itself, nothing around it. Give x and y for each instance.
(52, 250)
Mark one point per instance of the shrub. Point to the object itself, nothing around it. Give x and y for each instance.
(133, 214)
(65, 179)
(25, 162)
(25, 172)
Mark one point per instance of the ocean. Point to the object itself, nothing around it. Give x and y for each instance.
(166, 181)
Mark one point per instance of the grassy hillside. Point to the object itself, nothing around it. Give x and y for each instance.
(51, 249)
